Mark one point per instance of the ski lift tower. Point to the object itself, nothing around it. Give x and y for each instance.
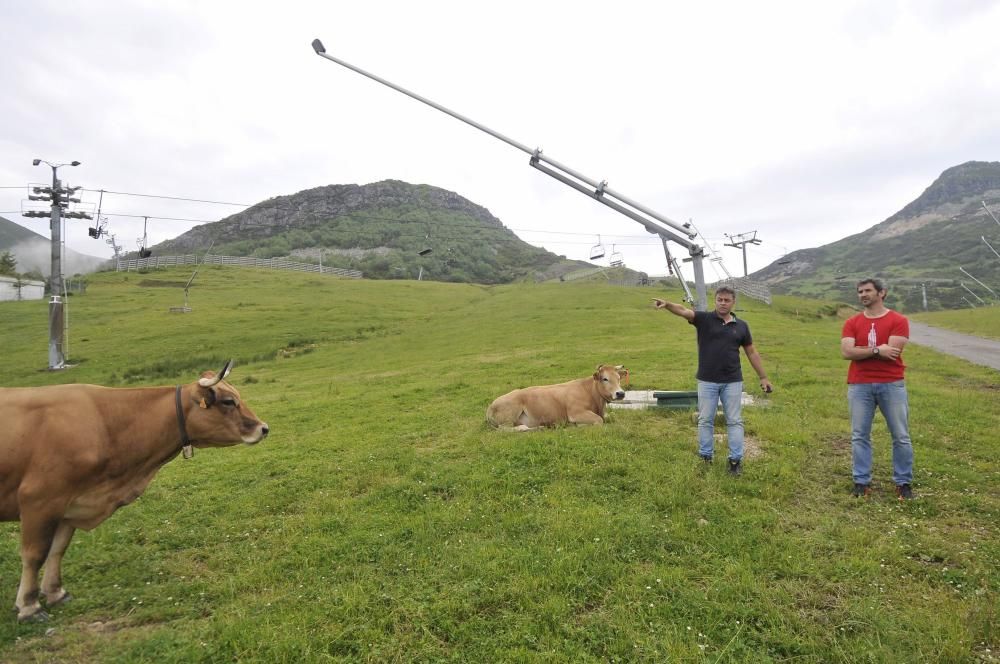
(740, 242)
(666, 229)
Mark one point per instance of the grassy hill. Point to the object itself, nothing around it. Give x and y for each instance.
(981, 322)
(382, 520)
(387, 230)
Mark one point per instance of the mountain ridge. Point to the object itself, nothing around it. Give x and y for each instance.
(924, 243)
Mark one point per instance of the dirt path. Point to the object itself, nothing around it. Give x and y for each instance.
(985, 352)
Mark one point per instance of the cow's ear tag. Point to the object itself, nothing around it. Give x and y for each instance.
(203, 404)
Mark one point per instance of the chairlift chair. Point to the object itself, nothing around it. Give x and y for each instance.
(615, 260)
(427, 244)
(597, 251)
(143, 241)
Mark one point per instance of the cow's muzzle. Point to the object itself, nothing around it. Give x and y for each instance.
(261, 433)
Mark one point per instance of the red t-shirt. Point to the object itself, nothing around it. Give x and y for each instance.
(869, 332)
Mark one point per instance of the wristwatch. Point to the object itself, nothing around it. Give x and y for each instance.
(875, 351)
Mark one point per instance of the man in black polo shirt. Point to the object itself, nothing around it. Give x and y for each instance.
(720, 377)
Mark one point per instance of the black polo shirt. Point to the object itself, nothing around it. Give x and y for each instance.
(719, 346)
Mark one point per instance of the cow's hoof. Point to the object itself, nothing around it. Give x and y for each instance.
(65, 597)
(36, 617)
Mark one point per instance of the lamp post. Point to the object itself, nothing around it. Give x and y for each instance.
(56, 358)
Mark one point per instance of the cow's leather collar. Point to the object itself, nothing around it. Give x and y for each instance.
(186, 449)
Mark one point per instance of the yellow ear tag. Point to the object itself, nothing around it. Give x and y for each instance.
(203, 404)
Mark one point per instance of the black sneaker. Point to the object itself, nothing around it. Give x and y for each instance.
(904, 492)
(705, 458)
(736, 466)
(861, 490)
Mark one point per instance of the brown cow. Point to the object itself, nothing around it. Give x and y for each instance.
(70, 455)
(578, 401)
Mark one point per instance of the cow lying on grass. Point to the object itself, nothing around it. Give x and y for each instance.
(70, 455)
(579, 401)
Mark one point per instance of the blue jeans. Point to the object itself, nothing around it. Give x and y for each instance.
(891, 399)
(709, 395)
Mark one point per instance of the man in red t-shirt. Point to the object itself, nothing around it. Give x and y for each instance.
(873, 341)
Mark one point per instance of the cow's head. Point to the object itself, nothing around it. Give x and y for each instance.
(608, 379)
(221, 418)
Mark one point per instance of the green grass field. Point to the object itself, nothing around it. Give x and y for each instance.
(981, 321)
(384, 521)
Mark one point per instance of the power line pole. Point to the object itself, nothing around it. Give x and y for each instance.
(981, 300)
(966, 273)
(983, 238)
(740, 242)
(60, 198)
(990, 213)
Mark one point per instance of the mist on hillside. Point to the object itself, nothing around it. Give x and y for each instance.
(36, 255)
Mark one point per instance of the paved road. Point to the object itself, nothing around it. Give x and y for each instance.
(985, 352)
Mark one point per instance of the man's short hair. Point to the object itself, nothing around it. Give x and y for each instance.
(725, 289)
(877, 283)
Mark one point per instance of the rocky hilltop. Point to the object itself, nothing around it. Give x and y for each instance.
(315, 207)
(918, 249)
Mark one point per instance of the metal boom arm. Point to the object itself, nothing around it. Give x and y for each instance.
(652, 221)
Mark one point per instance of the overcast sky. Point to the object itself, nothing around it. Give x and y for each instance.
(805, 122)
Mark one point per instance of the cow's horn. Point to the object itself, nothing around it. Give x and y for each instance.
(209, 382)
